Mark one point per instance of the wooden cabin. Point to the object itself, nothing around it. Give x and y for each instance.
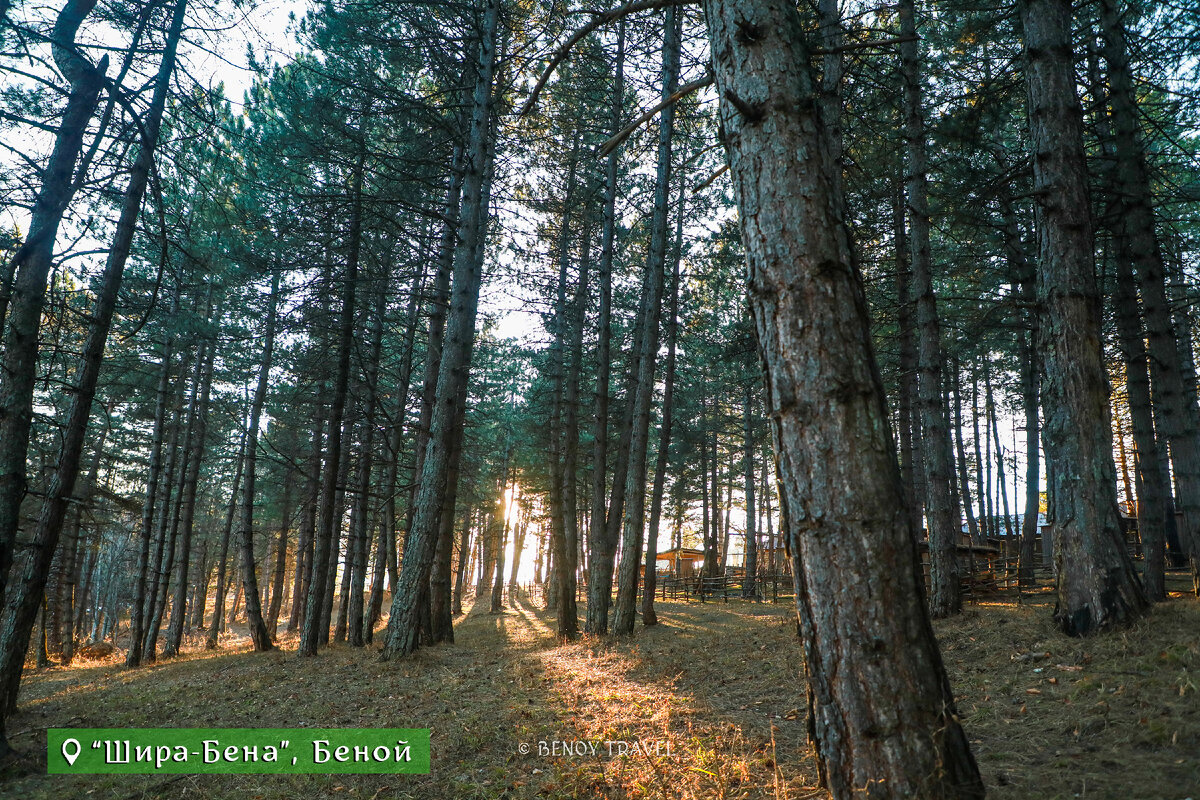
(680, 562)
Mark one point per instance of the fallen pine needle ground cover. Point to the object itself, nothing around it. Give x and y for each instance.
(708, 704)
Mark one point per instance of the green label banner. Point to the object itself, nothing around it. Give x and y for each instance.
(225, 751)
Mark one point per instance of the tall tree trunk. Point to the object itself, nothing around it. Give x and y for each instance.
(316, 628)
(911, 463)
(453, 372)
(360, 516)
(845, 518)
(601, 545)
(31, 265)
(1136, 226)
(945, 596)
(281, 549)
(222, 587)
(564, 589)
(964, 483)
(259, 634)
(665, 429)
(1096, 584)
(635, 493)
(308, 524)
(197, 430)
(20, 358)
(387, 526)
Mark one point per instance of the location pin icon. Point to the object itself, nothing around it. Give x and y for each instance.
(66, 751)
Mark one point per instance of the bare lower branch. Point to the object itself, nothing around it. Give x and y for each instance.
(624, 133)
(561, 54)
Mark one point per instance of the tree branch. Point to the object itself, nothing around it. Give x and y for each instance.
(563, 51)
(624, 133)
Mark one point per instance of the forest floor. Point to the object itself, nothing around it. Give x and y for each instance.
(720, 685)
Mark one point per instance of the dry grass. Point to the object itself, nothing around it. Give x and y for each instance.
(720, 685)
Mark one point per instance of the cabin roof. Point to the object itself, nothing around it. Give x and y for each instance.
(682, 553)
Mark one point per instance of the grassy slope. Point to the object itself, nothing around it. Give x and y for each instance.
(1111, 717)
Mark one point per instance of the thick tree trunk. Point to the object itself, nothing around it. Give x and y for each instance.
(1097, 586)
(453, 372)
(564, 555)
(883, 719)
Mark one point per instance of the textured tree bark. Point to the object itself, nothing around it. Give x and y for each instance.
(1136, 226)
(634, 524)
(30, 268)
(911, 462)
(259, 634)
(564, 553)
(884, 717)
(1153, 491)
(602, 547)
(448, 412)
(1096, 585)
(945, 596)
(570, 463)
(1152, 509)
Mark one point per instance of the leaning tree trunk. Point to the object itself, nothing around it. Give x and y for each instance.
(883, 717)
(1096, 584)
(448, 414)
(21, 613)
(30, 267)
(259, 634)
